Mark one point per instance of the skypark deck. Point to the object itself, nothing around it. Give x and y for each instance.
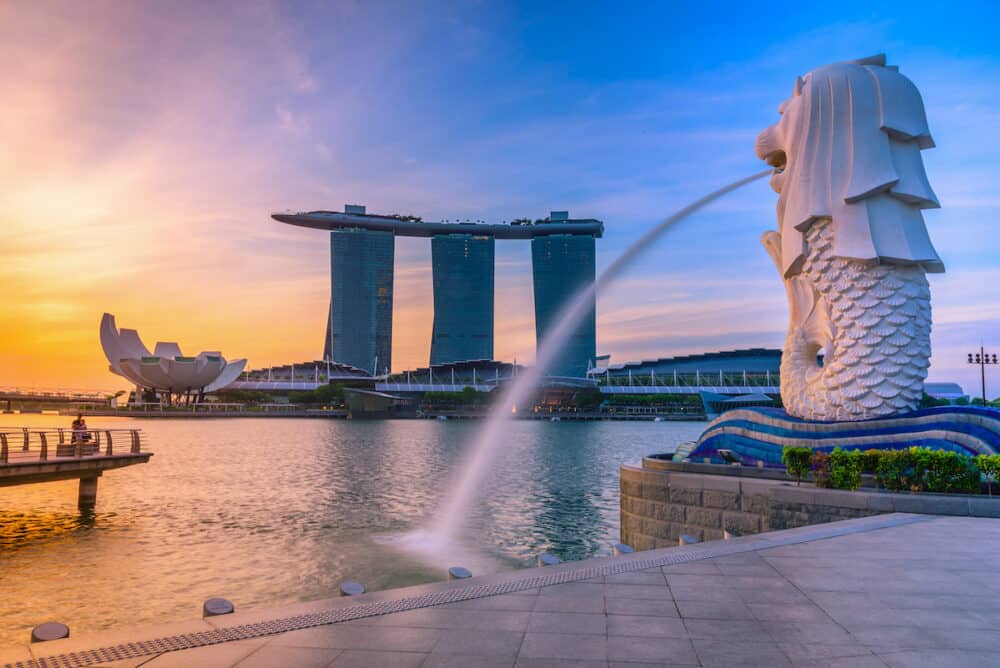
(332, 220)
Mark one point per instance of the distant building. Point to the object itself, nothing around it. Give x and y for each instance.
(561, 265)
(359, 320)
(359, 324)
(749, 367)
(951, 392)
(463, 298)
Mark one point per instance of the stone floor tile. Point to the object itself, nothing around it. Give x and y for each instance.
(733, 630)
(706, 567)
(936, 658)
(502, 602)
(779, 595)
(222, 655)
(466, 661)
(737, 569)
(443, 618)
(815, 633)
(339, 636)
(586, 603)
(781, 612)
(636, 591)
(718, 594)
(866, 661)
(524, 662)
(985, 640)
(713, 610)
(702, 581)
(355, 658)
(486, 643)
(563, 646)
(654, 577)
(715, 653)
(269, 656)
(946, 618)
(677, 651)
(883, 639)
(650, 607)
(651, 627)
(760, 582)
(574, 588)
(567, 622)
(804, 653)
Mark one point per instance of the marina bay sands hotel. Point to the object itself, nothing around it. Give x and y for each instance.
(362, 250)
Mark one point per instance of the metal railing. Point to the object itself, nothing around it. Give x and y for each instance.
(24, 444)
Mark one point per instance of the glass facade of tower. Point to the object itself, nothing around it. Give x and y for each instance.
(562, 264)
(359, 325)
(463, 298)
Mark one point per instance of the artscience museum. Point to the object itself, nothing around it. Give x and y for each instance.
(165, 371)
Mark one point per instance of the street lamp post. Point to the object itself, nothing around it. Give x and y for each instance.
(982, 358)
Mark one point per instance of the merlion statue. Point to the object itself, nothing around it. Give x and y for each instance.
(851, 244)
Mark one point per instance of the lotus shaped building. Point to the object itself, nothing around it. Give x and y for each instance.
(166, 369)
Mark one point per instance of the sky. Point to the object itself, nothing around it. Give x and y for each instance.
(146, 144)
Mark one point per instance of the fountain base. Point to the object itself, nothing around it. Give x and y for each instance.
(759, 434)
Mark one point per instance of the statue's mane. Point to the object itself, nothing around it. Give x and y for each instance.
(857, 132)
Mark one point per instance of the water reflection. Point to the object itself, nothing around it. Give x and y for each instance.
(266, 512)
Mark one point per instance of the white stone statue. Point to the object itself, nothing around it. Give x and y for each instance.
(851, 244)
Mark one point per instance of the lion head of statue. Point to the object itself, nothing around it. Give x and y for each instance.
(847, 148)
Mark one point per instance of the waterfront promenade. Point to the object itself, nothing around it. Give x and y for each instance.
(896, 590)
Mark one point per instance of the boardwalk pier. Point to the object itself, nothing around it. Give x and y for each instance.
(45, 455)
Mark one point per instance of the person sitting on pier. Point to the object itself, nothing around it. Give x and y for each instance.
(80, 433)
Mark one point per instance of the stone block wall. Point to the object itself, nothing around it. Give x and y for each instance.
(660, 501)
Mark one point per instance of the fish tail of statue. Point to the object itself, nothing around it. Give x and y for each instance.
(872, 321)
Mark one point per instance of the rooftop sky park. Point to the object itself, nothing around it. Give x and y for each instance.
(362, 249)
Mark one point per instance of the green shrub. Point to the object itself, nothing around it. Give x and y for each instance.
(820, 464)
(845, 468)
(896, 471)
(950, 472)
(990, 465)
(869, 460)
(927, 470)
(796, 461)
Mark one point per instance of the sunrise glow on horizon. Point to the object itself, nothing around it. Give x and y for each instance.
(147, 145)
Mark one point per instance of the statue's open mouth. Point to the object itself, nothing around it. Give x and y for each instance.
(777, 159)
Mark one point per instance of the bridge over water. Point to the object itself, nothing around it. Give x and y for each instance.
(38, 395)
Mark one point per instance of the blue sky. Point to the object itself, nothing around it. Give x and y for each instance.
(192, 122)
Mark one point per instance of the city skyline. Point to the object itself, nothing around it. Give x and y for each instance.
(147, 152)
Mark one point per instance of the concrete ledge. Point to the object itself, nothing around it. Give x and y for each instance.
(702, 500)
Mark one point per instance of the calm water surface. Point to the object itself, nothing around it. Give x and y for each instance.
(272, 511)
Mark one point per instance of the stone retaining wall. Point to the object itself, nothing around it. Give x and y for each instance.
(662, 500)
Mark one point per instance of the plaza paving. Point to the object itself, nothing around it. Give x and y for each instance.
(897, 590)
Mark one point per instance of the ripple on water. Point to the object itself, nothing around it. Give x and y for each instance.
(266, 512)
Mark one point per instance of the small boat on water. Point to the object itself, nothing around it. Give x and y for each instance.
(554, 418)
(442, 417)
(658, 419)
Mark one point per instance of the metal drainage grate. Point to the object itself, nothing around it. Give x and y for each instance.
(520, 582)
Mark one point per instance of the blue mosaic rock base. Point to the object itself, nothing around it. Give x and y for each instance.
(759, 434)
